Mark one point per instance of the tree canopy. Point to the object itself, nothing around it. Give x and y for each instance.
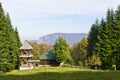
(79, 51)
(61, 50)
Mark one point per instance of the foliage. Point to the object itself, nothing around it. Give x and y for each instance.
(39, 49)
(79, 51)
(44, 48)
(80, 63)
(9, 49)
(95, 61)
(17, 37)
(104, 39)
(92, 37)
(36, 50)
(61, 50)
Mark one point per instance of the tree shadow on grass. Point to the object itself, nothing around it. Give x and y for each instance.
(70, 75)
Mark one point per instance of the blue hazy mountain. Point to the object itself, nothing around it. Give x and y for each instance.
(70, 37)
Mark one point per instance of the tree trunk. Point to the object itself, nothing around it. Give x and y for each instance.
(115, 68)
(61, 63)
(95, 67)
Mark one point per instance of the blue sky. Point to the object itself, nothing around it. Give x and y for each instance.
(35, 18)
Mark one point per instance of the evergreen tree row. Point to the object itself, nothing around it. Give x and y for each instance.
(9, 43)
(104, 40)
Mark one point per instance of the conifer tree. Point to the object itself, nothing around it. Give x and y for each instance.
(17, 37)
(12, 43)
(8, 43)
(18, 44)
(107, 45)
(3, 41)
(117, 37)
(92, 38)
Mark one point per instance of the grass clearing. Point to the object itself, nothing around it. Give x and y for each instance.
(60, 73)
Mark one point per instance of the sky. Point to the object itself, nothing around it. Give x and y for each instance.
(36, 18)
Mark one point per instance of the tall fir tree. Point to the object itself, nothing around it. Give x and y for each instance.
(8, 48)
(11, 44)
(107, 45)
(17, 37)
(117, 37)
(3, 41)
(18, 44)
(92, 38)
(14, 43)
(104, 45)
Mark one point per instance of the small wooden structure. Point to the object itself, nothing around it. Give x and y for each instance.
(25, 56)
(48, 59)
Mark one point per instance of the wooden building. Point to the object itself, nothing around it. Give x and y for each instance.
(48, 59)
(25, 56)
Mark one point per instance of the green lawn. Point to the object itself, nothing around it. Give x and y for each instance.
(60, 73)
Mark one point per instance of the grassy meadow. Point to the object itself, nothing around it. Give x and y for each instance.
(60, 73)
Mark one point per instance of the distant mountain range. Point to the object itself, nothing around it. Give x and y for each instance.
(70, 37)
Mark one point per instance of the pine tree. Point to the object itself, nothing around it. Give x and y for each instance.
(12, 43)
(107, 40)
(18, 44)
(17, 37)
(92, 38)
(8, 43)
(3, 41)
(117, 37)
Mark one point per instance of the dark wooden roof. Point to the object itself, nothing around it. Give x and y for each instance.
(48, 55)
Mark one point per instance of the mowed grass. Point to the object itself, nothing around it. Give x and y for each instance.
(60, 73)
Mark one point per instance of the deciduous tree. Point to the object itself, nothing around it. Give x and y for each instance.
(61, 50)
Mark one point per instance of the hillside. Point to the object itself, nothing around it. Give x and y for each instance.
(70, 37)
